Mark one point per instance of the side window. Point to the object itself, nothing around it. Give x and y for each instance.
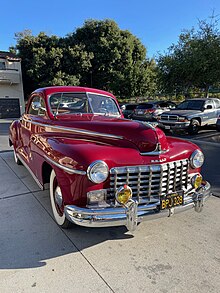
(37, 106)
(217, 103)
(208, 104)
(2, 65)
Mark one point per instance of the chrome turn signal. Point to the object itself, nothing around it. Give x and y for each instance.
(123, 194)
(196, 181)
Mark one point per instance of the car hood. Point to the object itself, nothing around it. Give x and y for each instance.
(181, 112)
(114, 131)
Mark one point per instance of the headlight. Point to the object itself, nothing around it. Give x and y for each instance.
(182, 119)
(98, 171)
(197, 159)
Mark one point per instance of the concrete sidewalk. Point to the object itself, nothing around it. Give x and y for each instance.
(4, 131)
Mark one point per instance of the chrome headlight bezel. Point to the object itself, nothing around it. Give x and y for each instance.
(196, 159)
(98, 171)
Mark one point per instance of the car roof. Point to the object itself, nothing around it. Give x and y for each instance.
(56, 89)
(201, 99)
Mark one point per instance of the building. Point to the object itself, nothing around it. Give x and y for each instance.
(11, 86)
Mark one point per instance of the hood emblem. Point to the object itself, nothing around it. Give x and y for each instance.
(159, 161)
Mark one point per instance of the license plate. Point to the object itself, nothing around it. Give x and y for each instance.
(171, 200)
(167, 127)
(140, 112)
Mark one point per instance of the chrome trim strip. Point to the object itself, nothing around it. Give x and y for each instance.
(154, 153)
(66, 169)
(75, 130)
(32, 174)
(144, 168)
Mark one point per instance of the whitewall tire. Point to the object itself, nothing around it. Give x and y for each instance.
(56, 200)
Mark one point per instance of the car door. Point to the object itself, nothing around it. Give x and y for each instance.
(34, 116)
(209, 112)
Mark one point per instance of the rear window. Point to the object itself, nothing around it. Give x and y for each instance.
(145, 106)
(131, 107)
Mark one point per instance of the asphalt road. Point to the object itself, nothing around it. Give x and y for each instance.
(177, 254)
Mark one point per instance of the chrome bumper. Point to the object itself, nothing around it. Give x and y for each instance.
(133, 214)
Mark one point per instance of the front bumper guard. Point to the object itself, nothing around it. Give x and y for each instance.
(132, 214)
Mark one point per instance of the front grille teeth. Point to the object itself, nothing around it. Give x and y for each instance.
(149, 182)
(169, 118)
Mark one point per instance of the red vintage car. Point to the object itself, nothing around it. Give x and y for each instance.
(104, 170)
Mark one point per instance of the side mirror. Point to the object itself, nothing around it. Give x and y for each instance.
(36, 106)
(208, 107)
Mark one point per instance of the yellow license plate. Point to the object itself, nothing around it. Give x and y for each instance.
(171, 200)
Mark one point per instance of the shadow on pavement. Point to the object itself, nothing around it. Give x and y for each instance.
(30, 237)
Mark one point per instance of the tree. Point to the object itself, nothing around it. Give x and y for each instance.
(119, 61)
(49, 60)
(98, 54)
(194, 62)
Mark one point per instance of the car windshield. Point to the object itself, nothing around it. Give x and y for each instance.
(191, 105)
(70, 103)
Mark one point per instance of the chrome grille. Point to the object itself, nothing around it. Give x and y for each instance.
(169, 117)
(150, 182)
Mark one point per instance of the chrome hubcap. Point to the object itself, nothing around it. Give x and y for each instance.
(58, 196)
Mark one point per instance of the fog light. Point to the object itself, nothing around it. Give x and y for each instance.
(196, 181)
(123, 194)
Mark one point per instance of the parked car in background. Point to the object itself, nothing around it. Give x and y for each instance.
(128, 109)
(104, 170)
(149, 111)
(218, 122)
(190, 115)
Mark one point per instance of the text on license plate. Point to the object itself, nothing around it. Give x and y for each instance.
(171, 200)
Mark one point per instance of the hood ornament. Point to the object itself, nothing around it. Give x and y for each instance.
(158, 151)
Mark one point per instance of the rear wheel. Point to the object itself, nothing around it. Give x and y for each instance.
(56, 199)
(194, 127)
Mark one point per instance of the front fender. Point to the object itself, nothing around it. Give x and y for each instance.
(14, 137)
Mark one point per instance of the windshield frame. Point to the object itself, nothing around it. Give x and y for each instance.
(86, 95)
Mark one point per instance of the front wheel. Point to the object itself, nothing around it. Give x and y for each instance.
(56, 199)
(194, 127)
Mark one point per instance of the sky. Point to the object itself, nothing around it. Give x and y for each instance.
(156, 23)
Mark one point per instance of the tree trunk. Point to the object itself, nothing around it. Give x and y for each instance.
(207, 91)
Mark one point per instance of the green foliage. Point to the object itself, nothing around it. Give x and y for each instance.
(98, 54)
(194, 62)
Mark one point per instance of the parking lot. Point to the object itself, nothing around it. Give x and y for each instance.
(177, 254)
